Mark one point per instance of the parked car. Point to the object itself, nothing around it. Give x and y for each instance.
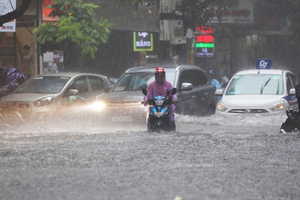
(258, 91)
(50, 92)
(195, 93)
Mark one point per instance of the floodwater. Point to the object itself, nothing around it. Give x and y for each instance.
(215, 157)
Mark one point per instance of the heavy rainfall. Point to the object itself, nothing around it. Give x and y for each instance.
(213, 157)
(79, 153)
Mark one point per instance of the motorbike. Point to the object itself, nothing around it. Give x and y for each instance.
(159, 112)
(292, 123)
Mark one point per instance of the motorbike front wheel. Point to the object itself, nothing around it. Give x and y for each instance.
(156, 125)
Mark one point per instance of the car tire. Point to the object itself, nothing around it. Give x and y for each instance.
(211, 110)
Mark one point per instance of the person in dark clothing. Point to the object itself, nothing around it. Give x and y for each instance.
(292, 123)
(10, 79)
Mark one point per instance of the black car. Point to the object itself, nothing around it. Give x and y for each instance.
(196, 95)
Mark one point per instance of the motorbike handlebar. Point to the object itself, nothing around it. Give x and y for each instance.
(151, 102)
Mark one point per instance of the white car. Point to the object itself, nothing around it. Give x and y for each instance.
(268, 91)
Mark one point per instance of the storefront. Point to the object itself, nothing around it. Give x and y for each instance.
(18, 34)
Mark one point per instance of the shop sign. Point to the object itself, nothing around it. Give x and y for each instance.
(239, 11)
(204, 41)
(142, 41)
(7, 7)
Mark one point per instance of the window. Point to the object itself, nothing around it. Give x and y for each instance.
(196, 77)
(134, 81)
(184, 78)
(81, 85)
(201, 76)
(44, 85)
(292, 79)
(256, 84)
(97, 84)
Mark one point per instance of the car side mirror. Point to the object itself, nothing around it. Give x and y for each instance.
(292, 91)
(219, 92)
(144, 91)
(72, 92)
(187, 86)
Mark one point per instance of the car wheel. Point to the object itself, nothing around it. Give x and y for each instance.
(211, 110)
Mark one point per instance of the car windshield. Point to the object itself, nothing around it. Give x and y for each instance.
(138, 81)
(47, 84)
(256, 84)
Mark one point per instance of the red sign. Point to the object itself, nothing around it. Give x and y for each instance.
(47, 11)
(205, 29)
(205, 38)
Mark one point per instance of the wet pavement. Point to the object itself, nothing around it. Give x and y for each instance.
(206, 158)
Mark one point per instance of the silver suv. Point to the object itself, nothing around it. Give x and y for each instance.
(195, 93)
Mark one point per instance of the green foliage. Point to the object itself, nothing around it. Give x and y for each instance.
(77, 28)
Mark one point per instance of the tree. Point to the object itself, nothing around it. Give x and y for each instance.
(16, 13)
(77, 30)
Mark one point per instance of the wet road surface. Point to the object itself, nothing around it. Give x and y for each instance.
(206, 158)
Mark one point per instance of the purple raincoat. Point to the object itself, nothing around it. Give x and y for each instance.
(10, 78)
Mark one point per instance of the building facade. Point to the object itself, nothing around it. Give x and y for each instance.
(250, 33)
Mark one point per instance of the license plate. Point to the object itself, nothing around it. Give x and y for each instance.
(122, 119)
(23, 105)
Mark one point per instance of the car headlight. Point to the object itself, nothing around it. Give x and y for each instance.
(221, 107)
(43, 102)
(278, 106)
(97, 105)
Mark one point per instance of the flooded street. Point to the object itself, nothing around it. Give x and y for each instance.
(206, 158)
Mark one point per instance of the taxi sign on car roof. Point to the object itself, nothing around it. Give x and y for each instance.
(263, 64)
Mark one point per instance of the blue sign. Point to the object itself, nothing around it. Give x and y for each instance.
(263, 64)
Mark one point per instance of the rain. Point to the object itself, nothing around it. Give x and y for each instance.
(77, 154)
(215, 157)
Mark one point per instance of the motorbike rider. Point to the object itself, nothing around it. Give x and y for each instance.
(289, 124)
(160, 87)
(10, 79)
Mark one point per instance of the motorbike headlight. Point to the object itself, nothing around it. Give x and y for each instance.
(221, 107)
(278, 106)
(43, 102)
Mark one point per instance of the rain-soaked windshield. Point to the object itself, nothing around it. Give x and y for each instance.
(49, 84)
(138, 81)
(254, 84)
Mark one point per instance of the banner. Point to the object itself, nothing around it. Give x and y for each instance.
(7, 6)
(239, 11)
